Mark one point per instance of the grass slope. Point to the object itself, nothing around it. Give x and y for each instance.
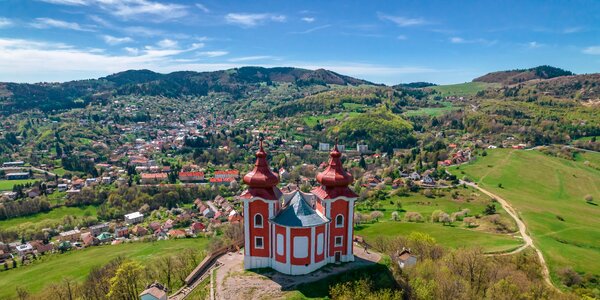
(545, 189)
(462, 89)
(55, 214)
(76, 264)
(7, 185)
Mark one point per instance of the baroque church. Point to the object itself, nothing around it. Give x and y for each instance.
(297, 233)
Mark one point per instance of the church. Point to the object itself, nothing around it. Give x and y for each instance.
(297, 233)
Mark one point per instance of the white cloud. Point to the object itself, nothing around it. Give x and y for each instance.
(402, 37)
(308, 19)
(202, 7)
(43, 23)
(132, 51)
(212, 53)
(4, 22)
(167, 43)
(593, 50)
(251, 20)
(402, 21)
(252, 58)
(459, 40)
(132, 9)
(112, 40)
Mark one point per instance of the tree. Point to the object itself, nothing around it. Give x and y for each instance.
(376, 215)
(490, 209)
(126, 282)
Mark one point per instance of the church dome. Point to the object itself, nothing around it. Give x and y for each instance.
(261, 176)
(335, 175)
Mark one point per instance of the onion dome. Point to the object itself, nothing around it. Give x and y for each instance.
(335, 175)
(261, 176)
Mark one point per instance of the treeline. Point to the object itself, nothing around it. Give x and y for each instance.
(24, 207)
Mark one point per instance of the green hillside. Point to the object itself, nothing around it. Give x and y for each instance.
(76, 264)
(549, 193)
(462, 89)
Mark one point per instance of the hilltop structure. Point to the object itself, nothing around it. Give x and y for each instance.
(297, 233)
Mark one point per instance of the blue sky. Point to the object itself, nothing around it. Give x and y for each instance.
(381, 41)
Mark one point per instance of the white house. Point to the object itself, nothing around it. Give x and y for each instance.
(24, 249)
(362, 148)
(133, 218)
(155, 291)
(324, 146)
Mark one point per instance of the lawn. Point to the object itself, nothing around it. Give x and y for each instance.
(311, 121)
(56, 214)
(453, 235)
(548, 192)
(431, 111)
(76, 264)
(462, 89)
(7, 185)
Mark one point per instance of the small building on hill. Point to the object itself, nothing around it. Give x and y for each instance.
(155, 291)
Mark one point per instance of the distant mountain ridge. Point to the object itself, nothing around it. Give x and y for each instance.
(522, 75)
(238, 81)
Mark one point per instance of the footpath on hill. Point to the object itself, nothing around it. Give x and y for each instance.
(522, 230)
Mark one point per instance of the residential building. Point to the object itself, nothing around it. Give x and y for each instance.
(134, 218)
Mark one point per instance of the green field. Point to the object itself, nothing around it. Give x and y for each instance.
(56, 214)
(454, 235)
(462, 89)
(76, 264)
(430, 111)
(311, 121)
(7, 185)
(545, 189)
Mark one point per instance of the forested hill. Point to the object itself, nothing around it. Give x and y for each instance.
(237, 82)
(522, 75)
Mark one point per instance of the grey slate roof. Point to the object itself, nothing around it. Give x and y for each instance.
(298, 213)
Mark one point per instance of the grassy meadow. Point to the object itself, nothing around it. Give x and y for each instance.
(7, 185)
(453, 235)
(548, 192)
(76, 264)
(56, 214)
(462, 89)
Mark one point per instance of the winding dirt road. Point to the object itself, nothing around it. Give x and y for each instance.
(522, 230)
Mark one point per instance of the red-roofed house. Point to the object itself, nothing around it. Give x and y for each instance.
(153, 178)
(191, 176)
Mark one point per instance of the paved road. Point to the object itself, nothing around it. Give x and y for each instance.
(522, 230)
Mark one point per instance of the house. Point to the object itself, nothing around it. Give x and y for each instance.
(106, 180)
(219, 200)
(154, 226)
(234, 217)
(225, 181)
(91, 181)
(62, 187)
(427, 180)
(414, 176)
(176, 233)
(71, 235)
(324, 146)
(197, 227)
(406, 259)
(134, 217)
(153, 178)
(208, 213)
(191, 176)
(13, 164)
(398, 182)
(105, 237)
(17, 176)
(139, 230)
(227, 174)
(24, 249)
(89, 239)
(155, 291)
(33, 192)
(40, 248)
(77, 184)
(99, 228)
(362, 148)
(121, 231)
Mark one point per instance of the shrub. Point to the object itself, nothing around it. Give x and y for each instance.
(395, 216)
(412, 216)
(589, 198)
(428, 193)
(569, 277)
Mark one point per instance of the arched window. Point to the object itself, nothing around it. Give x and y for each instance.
(258, 221)
(339, 221)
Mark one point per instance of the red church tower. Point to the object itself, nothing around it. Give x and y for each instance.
(297, 233)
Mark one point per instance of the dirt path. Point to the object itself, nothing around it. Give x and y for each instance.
(522, 230)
